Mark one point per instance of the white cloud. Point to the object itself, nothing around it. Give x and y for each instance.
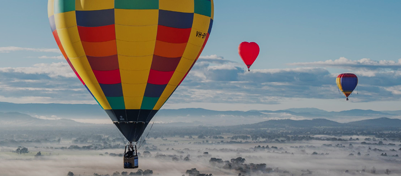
(208, 82)
(42, 83)
(52, 69)
(396, 90)
(52, 57)
(225, 82)
(8, 49)
(212, 57)
(343, 62)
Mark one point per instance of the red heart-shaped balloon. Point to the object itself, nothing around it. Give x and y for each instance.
(248, 51)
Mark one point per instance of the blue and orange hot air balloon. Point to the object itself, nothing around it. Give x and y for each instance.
(131, 55)
(347, 82)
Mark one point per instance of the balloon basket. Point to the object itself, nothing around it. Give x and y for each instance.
(130, 157)
(131, 163)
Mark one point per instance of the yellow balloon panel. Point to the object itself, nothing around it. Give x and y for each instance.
(141, 77)
(139, 63)
(91, 5)
(136, 33)
(50, 8)
(65, 20)
(136, 17)
(127, 48)
(178, 6)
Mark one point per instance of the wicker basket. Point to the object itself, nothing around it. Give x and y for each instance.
(131, 163)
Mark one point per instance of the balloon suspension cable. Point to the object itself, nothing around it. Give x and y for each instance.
(143, 140)
(130, 145)
(123, 138)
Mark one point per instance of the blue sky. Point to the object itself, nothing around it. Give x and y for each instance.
(297, 40)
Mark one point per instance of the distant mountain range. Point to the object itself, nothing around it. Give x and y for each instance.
(295, 123)
(22, 120)
(15, 119)
(197, 116)
(304, 112)
(379, 123)
(369, 123)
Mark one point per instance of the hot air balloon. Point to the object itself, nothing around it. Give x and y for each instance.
(347, 82)
(248, 51)
(131, 55)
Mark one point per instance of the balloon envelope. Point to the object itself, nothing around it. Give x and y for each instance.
(248, 51)
(347, 82)
(131, 55)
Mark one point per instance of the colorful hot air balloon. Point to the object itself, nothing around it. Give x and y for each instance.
(131, 55)
(347, 82)
(248, 51)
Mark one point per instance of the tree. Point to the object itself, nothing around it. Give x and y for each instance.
(175, 158)
(193, 172)
(148, 172)
(70, 174)
(21, 150)
(24, 150)
(187, 158)
(373, 171)
(388, 172)
(38, 154)
(139, 172)
(147, 154)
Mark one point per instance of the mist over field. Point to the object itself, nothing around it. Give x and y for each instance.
(274, 147)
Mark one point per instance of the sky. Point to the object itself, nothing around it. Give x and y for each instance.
(304, 46)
